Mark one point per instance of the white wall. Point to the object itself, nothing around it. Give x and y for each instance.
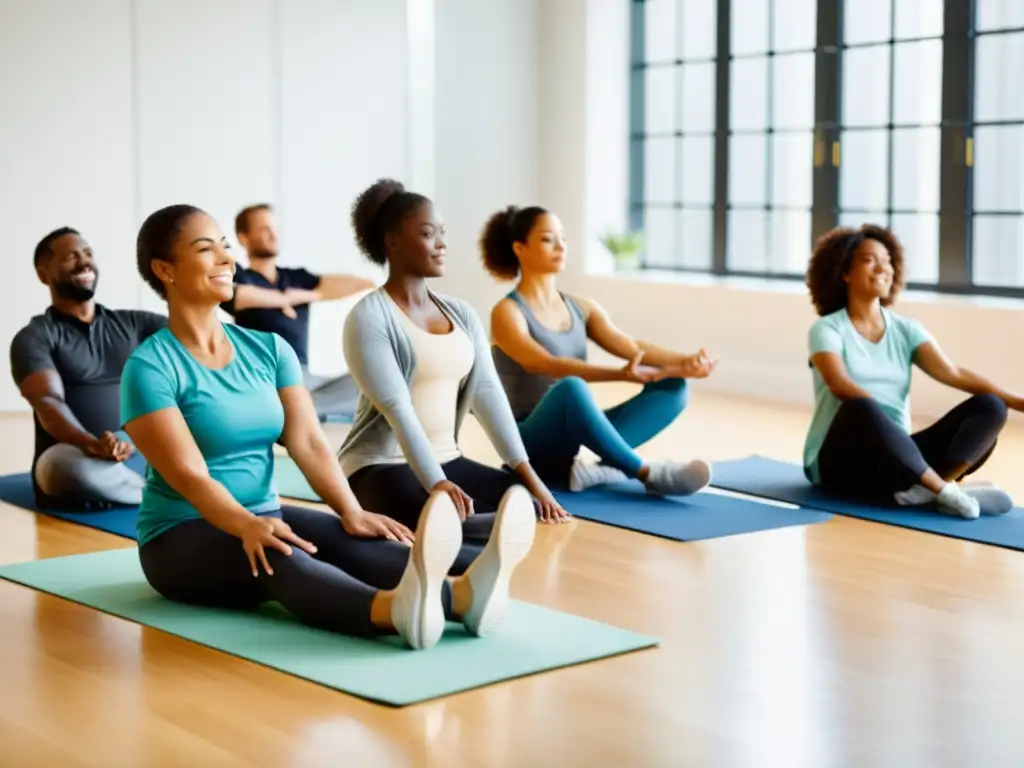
(758, 329)
(113, 108)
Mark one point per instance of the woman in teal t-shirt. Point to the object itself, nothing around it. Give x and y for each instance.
(204, 403)
(862, 355)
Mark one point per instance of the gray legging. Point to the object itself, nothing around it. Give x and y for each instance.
(196, 563)
(67, 473)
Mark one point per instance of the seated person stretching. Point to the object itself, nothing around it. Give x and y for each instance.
(276, 299)
(862, 355)
(67, 364)
(422, 364)
(204, 402)
(540, 338)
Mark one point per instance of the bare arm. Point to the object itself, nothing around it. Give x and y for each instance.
(512, 336)
(254, 297)
(164, 439)
(44, 391)
(341, 286)
(930, 358)
(833, 371)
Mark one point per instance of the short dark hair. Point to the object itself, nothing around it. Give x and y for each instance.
(832, 258)
(156, 241)
(242, 219)
(502, 230)
(44, 249)
(380, 210)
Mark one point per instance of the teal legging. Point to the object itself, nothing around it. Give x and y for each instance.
(568, 417)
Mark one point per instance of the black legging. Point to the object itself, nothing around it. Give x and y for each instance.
(393, 490)
(866, 454)
(196, 563)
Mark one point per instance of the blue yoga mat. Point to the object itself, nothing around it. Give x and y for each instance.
(120, 520)
(782, 481)
(691, 518)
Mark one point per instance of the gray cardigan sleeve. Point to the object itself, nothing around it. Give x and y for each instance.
(371, 359)
(490, 403)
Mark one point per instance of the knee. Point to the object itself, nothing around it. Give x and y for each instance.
(679, 389)
(574, 391)
(991, 407)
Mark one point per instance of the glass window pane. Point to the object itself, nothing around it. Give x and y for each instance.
(794, 25)
(698, 170)
(1000, 60)
(789, 241)
(793, 91)
(792, 169)
(858, 218)
(999, 168)
(700, 38)
(999, 14)
(747, 236)
(919, 234)
(918, 18)
(867, 21)
(660, 99)
(864, 170)
(917, 79)
(660, 170)
(696, 226)
(915, 169)
(750, 35)
(997, 251)
(697, 82)
(661, 229)
(866, 86)
(660, 30)
(748, 169)
(748, 94)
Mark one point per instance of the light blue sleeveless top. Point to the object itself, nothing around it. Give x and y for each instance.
(523, 389)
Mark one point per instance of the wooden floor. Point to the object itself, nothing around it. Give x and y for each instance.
(841, 644)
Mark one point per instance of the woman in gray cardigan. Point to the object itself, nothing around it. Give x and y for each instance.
(422, 363)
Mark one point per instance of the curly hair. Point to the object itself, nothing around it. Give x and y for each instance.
(832, 258)
(502, 230)
(156, 241)
(380, 210)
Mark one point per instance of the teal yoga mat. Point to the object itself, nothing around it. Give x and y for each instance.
(531, 639)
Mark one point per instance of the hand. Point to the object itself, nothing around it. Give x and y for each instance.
(551, 511)
(1015, 403)
(369, 525)
(698, 366)
(289, 311)
(109, 447)
(633, 371)
(297, 296)
(273, 532)
(463, 503)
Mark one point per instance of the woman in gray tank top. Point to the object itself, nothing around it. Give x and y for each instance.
(540, 338)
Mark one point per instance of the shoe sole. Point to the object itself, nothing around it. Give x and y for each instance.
(491, 573)
(437, 544)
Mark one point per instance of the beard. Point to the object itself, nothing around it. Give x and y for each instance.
(72, 291)
(262, 253)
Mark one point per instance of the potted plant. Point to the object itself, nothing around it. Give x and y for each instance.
(625, 248)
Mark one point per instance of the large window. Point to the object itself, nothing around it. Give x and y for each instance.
(757, 125)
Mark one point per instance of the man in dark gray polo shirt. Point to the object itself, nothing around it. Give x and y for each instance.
(67, 364)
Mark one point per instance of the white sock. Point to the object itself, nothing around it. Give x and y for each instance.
(991, 499)
(953, 500)
(671, 478)
(588, 474)
(915, 496)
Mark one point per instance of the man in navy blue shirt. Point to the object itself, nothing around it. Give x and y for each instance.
(67, 364)
(276, 299)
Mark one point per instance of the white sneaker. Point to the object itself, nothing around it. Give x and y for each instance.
(953, 500)
(672, 478)
(992, 499)
(589, 474)
(417, 610)
(490, 574)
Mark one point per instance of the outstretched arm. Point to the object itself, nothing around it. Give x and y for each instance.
(512, 336)
(930, 358)
(341, 286)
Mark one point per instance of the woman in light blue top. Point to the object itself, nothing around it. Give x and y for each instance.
(541, 337)
(422, 364)
(204, 403)
(862, 354)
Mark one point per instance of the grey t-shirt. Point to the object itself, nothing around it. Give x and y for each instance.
(88, 357)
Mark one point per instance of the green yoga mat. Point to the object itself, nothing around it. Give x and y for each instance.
(531, 639)
(290, 481)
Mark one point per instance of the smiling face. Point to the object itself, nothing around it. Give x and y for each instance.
(545, 248)
(202, 269)
(70, 271)
(417, 248)
(871, 271)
